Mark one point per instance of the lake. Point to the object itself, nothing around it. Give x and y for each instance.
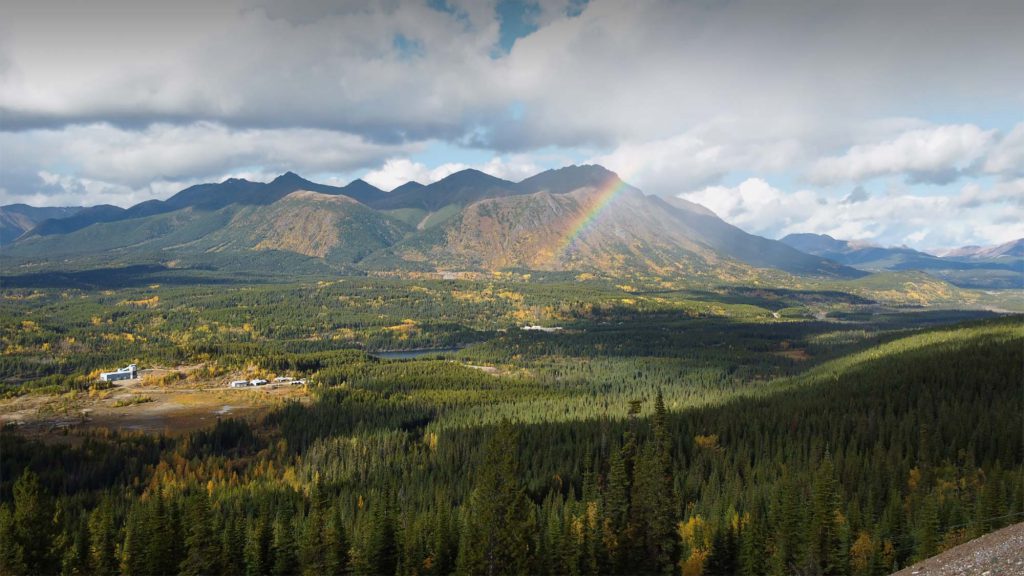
(408, 354)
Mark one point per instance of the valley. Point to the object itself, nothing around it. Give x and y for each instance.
(609, 382)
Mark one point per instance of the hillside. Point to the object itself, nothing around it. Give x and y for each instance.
(1001, 552)
(578, 218)
(1011, 249)
(545, 231)
(337, 229)
(16, 219)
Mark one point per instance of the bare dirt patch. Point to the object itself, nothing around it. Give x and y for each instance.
(142, 406)
(1000, 553)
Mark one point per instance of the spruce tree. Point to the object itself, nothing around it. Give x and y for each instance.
(498, 519)
(201, 550)
(33, 524)
(102, 539)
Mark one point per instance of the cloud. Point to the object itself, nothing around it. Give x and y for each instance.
(893, 218)
(1007, 157)
(936, 155)
(858, 194)
(398, 171)
(610, 73)
(99, 162)
(706, 153)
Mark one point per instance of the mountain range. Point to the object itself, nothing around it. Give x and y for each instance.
(17, 219)
(577, 218)
(970, 267)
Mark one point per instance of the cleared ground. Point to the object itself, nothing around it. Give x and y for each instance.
(1000, 553)
(144, 405)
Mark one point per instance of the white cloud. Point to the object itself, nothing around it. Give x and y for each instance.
(613, 73)
(398, 171)
(706, 153)
(891, 218)
(936, 154)
(98, 162)
(1007, 157)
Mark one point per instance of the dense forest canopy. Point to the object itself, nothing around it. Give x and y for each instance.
(712, 430)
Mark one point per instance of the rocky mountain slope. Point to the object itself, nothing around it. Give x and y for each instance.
(579, 218)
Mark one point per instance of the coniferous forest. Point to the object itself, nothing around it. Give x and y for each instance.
(712, 430)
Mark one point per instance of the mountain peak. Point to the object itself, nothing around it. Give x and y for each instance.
(289, 177)
(467, 175)
(408, 187)
(569, 178)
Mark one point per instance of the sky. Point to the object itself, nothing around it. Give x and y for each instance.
(895, 122)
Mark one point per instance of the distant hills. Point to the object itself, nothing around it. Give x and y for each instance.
(970, 267)
(577, 218)
(16, 219)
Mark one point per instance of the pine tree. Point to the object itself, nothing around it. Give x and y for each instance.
(498, 519)
(232, 544)
(651, 525)
(722, 559)
(33, 524)
(283, 547)
(754, 544)
(257, 538)
(789, 522)
(74, 548)
(133, 548)
(336, 543)
(103, 539)
(927, 537)
(201, 550)
(12, 555)
(616, 509)
(382, 541)
(825, 548)
(159, 536)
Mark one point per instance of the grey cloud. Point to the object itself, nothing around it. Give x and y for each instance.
(613, 72)
(111, 159)
(858, 194)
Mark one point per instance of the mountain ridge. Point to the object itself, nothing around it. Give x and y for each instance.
(580, 218)
(993, 267)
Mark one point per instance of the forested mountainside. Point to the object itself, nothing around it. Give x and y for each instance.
(858, 466)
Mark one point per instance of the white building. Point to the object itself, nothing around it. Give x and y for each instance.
(129, 372)
(238, 384)
(542, 328)
(258, 382)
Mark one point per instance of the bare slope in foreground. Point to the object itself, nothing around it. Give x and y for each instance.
(1000, 553)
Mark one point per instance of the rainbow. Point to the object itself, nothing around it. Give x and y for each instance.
(596, 205)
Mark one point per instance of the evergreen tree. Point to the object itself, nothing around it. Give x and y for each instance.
(652, 503)
(336, 543)
(257, 544)
(498, 518)
(201, 549)
(754, 557)
(283, 547)
(825, 550)
(33, 524)
(103, 539)
(12, 556)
